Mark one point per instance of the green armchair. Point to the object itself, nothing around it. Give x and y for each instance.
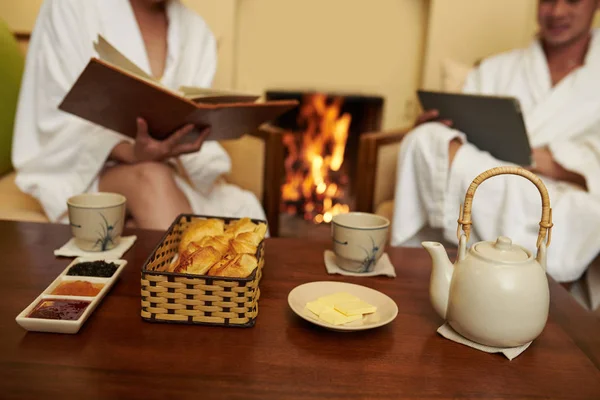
(14, 204)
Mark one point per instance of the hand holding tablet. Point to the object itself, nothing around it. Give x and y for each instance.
(493, 124)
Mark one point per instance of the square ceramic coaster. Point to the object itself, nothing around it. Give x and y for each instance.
(69, 249)
(383, 267)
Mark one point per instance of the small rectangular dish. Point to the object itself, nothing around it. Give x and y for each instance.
(65, 305)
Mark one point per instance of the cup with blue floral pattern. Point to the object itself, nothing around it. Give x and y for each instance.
(97, 220)
(359, 240)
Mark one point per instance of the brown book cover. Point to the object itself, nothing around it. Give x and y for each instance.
(114, 97)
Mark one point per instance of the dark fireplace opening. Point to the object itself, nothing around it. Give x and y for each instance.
(321, 150)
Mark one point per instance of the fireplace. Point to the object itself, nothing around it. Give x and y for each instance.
(321, 149)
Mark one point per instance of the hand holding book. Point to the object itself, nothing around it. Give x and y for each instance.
(146, 148)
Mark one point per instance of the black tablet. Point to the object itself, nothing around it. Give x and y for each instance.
(493, 124)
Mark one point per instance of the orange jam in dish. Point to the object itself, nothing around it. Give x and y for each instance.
(78, 288)
(69, 310)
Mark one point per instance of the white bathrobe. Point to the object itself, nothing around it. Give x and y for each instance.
(58, 155)
(565, 117)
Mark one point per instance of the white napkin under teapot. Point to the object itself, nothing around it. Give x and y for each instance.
(510, 352)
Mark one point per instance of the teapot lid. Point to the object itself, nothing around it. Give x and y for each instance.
(503, 250)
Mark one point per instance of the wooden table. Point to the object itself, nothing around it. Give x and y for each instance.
(117, 355)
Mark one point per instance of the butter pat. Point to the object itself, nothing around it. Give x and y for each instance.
(316, 307)
(333, 317)
(333, 299)
(352, 308)
(329, 314)
(339, 308)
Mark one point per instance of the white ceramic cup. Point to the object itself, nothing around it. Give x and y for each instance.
(97, 220)
(358, 240)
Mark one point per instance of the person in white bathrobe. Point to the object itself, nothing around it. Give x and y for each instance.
(57, 155)
(557, 81)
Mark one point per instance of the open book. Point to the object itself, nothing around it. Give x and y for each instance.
(112, 92)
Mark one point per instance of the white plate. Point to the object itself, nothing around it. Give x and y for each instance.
(68, 326)
(387, 309)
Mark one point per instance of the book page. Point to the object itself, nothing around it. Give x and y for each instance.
(110, 54)
(223, 99)
(190, 92)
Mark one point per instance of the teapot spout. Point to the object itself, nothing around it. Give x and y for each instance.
(441, 276)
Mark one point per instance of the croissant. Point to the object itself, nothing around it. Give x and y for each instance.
(199, 229)
(199, 262)
(220, 243)
(249, 237)
(226, 260)
(182, 255)
(234, 266)
(261, 230)
(242, 247)
(241, 226)
(190, 249)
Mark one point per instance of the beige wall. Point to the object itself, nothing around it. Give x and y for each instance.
(467, 30)
(220, 15)
(336, 45)
(20, 15)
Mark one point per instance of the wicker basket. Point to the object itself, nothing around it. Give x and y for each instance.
(197, 299)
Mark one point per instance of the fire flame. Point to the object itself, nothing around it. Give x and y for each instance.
(314, 180)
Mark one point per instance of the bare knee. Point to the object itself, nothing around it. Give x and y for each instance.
(145, 179)
(152, 176)
(153, 198)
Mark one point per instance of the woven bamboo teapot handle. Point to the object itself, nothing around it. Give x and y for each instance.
(464, 221)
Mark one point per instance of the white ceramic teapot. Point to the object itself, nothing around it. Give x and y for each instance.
(496, 293)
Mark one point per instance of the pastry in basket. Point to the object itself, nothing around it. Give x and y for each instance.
(197, 262)
(234, 266)
(199, 229)
(250, 237)
(261, 230)
(246, 243)
(182, 255)
(209, 247)
(240, 226)
(220, 243)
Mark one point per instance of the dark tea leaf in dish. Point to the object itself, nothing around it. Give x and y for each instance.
(98, 268)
